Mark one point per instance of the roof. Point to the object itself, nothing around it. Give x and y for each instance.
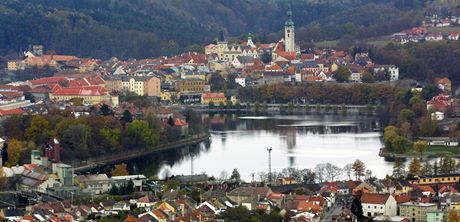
(374, 198)
(131, 218)
(47, 80)
(213, 96)
(11, 112)
(250, 191)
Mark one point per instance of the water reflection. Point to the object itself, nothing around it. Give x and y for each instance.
(298, 141)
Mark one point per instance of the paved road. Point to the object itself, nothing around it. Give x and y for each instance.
(335, 210)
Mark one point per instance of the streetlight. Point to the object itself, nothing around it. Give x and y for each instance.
(269, 149)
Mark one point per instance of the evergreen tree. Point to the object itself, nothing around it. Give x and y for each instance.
(235, 175)
(127, 117)
(398, 169)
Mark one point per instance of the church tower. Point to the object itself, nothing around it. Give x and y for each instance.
(289, 33)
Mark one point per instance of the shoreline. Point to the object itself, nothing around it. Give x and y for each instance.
(89, 164)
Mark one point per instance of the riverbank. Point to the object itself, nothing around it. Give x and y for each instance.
(109, 159)
(431, 152)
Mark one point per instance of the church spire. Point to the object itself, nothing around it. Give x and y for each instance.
(289, 21)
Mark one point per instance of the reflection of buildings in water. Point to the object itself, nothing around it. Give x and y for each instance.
(290, 135)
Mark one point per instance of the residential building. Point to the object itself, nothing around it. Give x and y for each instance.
(94, 183)
(375, 204)
(140, 85)
(415, 211)
(215, 98)
(429, 180)
(391, 70)
(435, 216)
(191, 85)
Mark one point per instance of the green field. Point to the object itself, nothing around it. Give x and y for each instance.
(445, 29)
(443, 149)
(379, 41)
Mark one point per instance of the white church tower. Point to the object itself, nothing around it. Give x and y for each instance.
(289, 33)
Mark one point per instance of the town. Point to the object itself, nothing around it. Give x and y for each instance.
(64, 118)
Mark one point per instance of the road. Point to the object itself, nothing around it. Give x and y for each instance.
(334, 210)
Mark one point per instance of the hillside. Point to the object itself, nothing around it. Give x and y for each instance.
(146, 28)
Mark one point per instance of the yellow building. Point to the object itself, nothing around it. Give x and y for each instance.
(436, 180)
(215, 98)
(190, 85)
(90, 96)
(14, 65)
(140, 85)
(416, 211)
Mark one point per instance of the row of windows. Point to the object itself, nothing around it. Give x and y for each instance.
(442, 179)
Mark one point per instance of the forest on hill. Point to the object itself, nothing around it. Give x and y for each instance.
(148, 28)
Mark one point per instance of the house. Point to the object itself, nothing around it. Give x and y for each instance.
(391, 70)
(434, 36)
(435, 216)
(444, 84)
(416, 211)
(94, 183)
(137, 180)
(121, 206)
(248, 196)
(11, 214)
(453, 36)
(215, 98)
(145, 202)
(375, 204)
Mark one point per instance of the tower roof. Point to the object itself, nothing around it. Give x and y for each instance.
(289, 21)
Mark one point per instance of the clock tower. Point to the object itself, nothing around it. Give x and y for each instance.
(289, 33)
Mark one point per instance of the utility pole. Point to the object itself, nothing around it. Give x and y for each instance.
(269, 149)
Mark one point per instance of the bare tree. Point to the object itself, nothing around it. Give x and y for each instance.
(262, 176)
(332, 171)
(308, 176)
(223, 175)
(320, 171)
(347, 169)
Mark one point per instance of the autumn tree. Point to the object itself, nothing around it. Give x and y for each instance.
(141, 135)
(342, 74)
(38, 130)
(3, 180)
(428, 126)
(453, 216)
(358, 168)
(415, 167)
(112, 136)
(420, 146)
(120, 170)
(15, 149)
(399, 144)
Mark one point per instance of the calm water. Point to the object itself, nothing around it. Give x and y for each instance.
(297, 141)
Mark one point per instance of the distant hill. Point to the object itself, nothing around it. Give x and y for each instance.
(146, 28)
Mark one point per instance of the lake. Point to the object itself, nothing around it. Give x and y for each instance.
(299, 141)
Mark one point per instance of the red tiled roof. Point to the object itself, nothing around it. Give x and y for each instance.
(179, 122)
(402, 198)
(11, 112)
(288, 55)
(47, 80)
(83, 91)
(131, 218)
(213, 95)
(374, 198)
